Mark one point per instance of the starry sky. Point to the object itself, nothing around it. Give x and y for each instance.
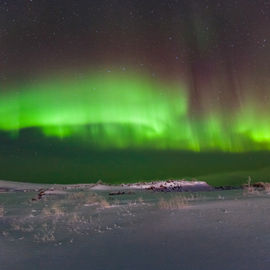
(137, 79)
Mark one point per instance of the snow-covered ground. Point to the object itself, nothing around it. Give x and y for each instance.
(84, 227)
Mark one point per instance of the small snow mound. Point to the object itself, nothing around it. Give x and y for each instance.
(166, 185)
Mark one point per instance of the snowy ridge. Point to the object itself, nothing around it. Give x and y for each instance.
(165, 185)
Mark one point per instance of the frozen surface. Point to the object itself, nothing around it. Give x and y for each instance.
(82, 228)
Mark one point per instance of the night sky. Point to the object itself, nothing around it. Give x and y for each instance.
(115, 89)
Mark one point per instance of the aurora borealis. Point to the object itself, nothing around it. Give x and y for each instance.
(179, 76)
(130, 111)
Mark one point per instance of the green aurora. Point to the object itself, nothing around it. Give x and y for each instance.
(127, 91)
(130, 111)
